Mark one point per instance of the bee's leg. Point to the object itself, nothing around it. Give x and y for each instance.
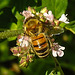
(49, 40)
(28, 32)
(31, 48)
(31, 34)
(40, 30)
(32, 51)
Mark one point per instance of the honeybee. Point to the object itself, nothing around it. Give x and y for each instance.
(40, 42)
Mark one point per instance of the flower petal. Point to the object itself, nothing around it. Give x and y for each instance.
(64, 18)
(49, 16)
(45, 14)
(60, 53)
(27, 14)
(50, 12)
(67, 22)
(61, 48)
(54, 53)
(26, 43)
(20, 39)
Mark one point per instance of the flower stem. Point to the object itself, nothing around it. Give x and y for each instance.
(10, 33)
(57, 65)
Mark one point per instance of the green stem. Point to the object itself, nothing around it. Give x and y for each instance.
(10, 33)
(57, 65)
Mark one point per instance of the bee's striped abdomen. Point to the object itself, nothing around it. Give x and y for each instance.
(40, 45)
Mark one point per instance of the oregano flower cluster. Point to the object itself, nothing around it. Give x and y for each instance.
(23, 48)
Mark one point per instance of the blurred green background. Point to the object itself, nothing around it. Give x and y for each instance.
(11, 19)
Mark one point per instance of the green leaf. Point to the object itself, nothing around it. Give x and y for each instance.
(58, 73)
(20, 19)
(51, 73)
(46, 73)
(70, 66)
(5, 71)
(13, 26)
(71, 27)
(4, 50)
(62, 25)
(4, 3)
(56, 6)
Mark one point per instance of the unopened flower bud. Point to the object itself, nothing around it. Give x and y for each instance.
(42, 19)
(33, 11)
(23, 62)
(16, 51)
(29, 8)
(37, 13)
(56, 22)
(44, 10)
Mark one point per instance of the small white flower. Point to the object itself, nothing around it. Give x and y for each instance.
(64, 18)
(50, 12)
(54, 53)
(61, 48)
(27, 14)
(49, 16)
(60, 53)
(57, 50)
(24, 41)
(20, 40)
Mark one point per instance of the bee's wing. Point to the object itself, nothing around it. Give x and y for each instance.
(54, 30)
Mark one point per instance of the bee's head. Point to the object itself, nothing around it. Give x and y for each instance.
(33, 25)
